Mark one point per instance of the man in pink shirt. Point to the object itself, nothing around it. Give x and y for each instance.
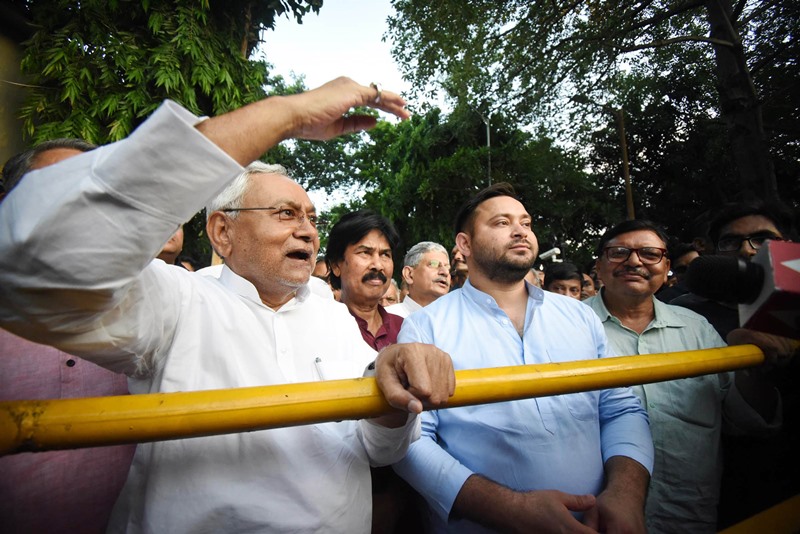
(66, 491)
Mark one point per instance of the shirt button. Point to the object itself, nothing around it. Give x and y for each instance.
(70, 363)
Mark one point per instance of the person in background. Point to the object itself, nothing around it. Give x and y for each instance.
(681, 255)
(532, 277)
(738, 230)
(403, 290)
(587, 287)
(188, 262)
(392, 295)
(360, 254)
(563, 278)
(426, 272)
(459, 270)
(172, 248)
(759, 471)
(73, 490)
(321, 269)
(591, 270)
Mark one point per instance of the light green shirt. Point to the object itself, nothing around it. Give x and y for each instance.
(686, 418)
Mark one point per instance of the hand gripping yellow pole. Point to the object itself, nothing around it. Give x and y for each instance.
(72, 423)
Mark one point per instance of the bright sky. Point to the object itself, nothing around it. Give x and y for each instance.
(343, 40)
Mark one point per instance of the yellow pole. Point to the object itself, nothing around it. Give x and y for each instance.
(73, 423)
(783, 518)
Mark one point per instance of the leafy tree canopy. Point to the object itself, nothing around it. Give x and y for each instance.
(100, 67)
(531, 59)
(419, 172)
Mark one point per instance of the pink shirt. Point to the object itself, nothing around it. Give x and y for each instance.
(65, 491)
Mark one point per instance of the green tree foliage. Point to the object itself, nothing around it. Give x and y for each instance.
(419, 172)
(100, 67)
(531, 58)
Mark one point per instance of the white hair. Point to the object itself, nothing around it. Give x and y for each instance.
(415, 253)
(231, 197)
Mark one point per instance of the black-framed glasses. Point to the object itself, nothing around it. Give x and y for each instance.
(286, 214)
(647, 255)
(733, 243)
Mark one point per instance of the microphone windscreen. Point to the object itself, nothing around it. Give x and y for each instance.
(725, 279)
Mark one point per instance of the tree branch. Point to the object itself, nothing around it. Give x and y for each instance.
(737, 9)
(764, 61)
(765, 6)
(666, 42)
(661, 16)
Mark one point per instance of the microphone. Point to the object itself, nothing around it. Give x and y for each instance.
(767, 288)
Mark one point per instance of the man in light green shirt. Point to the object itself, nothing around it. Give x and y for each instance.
(686, 416)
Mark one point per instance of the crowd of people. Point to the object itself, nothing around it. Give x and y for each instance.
(93, 288)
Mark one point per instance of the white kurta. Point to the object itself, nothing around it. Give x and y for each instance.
(75, 250)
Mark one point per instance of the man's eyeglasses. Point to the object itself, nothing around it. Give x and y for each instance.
(436, 264)
(734, 242)
(647, 255)
(286, 214)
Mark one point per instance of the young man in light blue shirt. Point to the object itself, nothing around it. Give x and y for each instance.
(523, 465)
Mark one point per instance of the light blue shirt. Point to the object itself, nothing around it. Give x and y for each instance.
(686, 418)
(558, 442)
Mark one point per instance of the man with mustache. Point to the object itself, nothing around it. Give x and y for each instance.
(360, 254)
(686, 416)
(426, 271)
(533, 465)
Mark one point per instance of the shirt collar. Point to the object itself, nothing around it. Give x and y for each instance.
(245, 289)
(664, 315)
(487, 302)
(411, 304)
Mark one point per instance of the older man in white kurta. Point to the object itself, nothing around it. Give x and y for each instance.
(77, 245)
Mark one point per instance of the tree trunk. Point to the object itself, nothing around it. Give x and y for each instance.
(741, 108)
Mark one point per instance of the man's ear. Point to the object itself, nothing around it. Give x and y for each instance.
(334, 266)
(408, 274)
(219, 230)
(464, 245)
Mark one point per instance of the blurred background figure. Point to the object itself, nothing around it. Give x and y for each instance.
(458, 269)
(564, 278)
(681, 255)
(587, 287)
(426, 272)
(533, 277)
(392, 295)
(172, 248)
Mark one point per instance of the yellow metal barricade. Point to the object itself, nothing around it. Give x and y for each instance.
(783, 518)
(72, 423)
